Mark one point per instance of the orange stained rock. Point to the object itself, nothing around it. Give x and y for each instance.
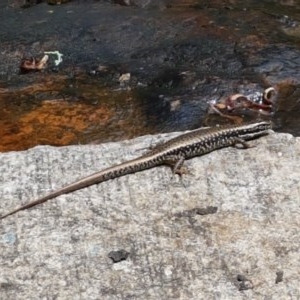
(52, 123)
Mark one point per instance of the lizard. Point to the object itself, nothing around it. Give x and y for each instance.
(173, 152)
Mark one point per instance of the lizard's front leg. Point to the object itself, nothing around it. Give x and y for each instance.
(176, 162)
(240, 141)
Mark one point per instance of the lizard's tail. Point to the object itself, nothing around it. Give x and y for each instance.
(132, 166)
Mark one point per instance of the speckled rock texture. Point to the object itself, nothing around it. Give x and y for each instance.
(227, 230)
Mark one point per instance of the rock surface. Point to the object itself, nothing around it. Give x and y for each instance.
(228, 230)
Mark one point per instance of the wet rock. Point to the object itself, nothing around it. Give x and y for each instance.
(161, 4)
(23, 3)
(57, 2)
(179, 58)
(277, 64)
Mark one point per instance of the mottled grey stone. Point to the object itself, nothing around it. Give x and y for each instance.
(60, 250)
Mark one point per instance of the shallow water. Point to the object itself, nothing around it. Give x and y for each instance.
(178, 58)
